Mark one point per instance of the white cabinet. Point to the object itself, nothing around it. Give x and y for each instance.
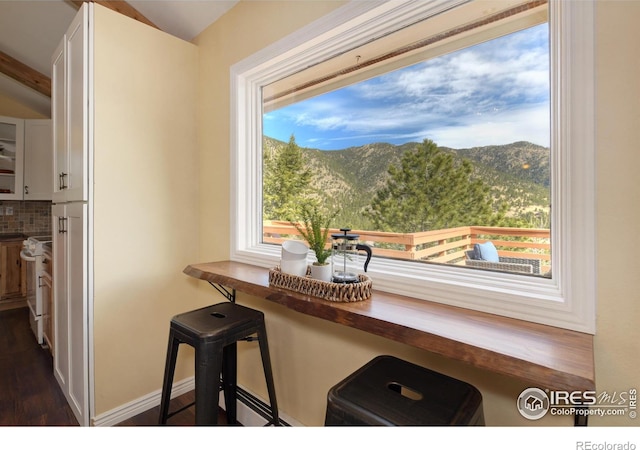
(71, 303)
(38, 143)
(110, 110)
(11, 158)
(25, 159)
(58, 115)
(70, 107)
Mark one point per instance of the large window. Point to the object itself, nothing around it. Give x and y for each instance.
(478, 76)
(358, 152)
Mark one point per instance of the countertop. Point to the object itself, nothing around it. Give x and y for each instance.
(10, 237)
(7, 237)
(547, 357)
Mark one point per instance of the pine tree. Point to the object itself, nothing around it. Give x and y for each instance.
(429, 190)
(286, 182)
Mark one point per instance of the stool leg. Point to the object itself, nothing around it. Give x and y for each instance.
(268, 374)
(208, 369)
(230, 381)
(169, 370)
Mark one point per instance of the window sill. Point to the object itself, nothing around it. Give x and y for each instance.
(545, 356)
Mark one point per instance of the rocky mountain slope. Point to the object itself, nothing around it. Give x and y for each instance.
(517, 173)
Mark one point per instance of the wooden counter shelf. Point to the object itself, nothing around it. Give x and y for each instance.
(545, 356)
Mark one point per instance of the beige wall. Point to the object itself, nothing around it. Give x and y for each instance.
(617, 342)
(311, 355)
(146, 202)
(12, 108)
(242, 31)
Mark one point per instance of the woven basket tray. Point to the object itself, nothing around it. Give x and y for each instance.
(335, 292)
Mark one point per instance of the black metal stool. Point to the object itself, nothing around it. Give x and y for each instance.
(213, 332)
(389, 391)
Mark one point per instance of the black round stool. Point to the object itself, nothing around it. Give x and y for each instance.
(388, 391)
(213, 332)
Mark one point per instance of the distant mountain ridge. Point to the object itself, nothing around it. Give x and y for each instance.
(517, 173)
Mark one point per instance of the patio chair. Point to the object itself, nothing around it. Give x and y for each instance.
(485, 256)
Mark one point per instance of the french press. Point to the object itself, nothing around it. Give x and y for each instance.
(344, 248)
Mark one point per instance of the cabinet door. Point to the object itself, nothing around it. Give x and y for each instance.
(70, 285)
(11, 158)
(59, 121)
(77, 85)
(11, 277)
(60, 296)
(38, 153)
(70, 107)
(77, 290)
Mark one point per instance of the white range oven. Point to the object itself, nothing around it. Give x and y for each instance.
(33, 255)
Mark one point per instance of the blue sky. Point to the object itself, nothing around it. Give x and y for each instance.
(490, 94)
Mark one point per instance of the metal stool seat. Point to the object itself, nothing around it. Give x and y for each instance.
(213, 332)
(388, 391)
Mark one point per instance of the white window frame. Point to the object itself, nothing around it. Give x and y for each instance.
(566, 300)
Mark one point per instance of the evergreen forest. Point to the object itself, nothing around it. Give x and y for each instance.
(410, 187)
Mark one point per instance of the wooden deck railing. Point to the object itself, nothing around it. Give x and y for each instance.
(442, 246)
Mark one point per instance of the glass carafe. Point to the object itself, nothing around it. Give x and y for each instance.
(344, 253)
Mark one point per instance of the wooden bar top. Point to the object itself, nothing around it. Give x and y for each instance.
(545, 356)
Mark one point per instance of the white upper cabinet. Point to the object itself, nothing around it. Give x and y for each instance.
(70, 88)
(25, 159)
(38, 153)
(11, 158)
(58, 108)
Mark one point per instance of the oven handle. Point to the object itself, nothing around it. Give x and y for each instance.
(26, 257)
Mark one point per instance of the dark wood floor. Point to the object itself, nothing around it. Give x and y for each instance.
(183, 418)
(29, 393)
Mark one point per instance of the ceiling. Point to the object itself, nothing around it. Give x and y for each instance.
(31, 29)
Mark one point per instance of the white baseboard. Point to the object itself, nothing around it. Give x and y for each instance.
(246, 416)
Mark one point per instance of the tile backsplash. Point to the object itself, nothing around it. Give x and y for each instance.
(30, 217)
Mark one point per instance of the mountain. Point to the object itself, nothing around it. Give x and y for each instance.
(523, 160)
(517, 173)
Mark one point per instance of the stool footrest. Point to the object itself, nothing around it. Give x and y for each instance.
(171, 414)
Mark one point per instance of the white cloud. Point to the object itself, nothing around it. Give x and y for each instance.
(504, 127)
(493, 93)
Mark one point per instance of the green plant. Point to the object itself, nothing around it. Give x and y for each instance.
(314, 228)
